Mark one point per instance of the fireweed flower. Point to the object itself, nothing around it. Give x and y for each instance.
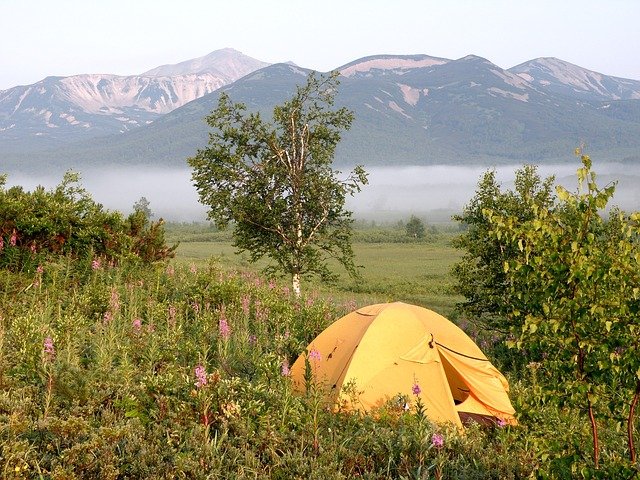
(246, 304)
(416, 389)
(136, 324)
(315, 355)
(114, 300)
(49, 349)
(201, 376)
(223, 328)
(172, 314)
(437, 440)
(285, 368)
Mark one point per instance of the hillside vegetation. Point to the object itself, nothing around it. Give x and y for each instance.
(114, 367)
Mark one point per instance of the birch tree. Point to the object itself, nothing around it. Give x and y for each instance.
(274, 181)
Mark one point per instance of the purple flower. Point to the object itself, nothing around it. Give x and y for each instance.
(416, 389)
(502, 423)
(246, 303)
(49, 349)
(201, 376)
(114, 300)
(315, 355)
(285, 368)
(437, 440)
(137, 324)
(108, 316)
(172, 314)
(223, 328)
(253, 339)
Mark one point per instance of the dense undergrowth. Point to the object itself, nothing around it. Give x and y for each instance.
(116, 367)
(175, 373)
(98, 379)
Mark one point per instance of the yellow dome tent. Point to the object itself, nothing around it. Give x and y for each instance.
(388, 349)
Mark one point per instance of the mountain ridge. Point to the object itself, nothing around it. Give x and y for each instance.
(409, 109)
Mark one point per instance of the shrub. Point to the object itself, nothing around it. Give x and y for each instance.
(66, 221)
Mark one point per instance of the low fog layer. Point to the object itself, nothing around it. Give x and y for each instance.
(433, 192)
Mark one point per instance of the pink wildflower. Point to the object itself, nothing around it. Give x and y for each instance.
(49, 349)
(195, 306)
(286, 291)
(13, 239)
(1, 244)
(107, 317)
(272, 284)
(315, 355)
(502, 423)
(172, 314)
(114, 300)
(246, 304)
(170, 270)
(201, 376)
(193, 269)
(96, 264)
(285, 368)
(437, 440)
(253, 339)
(224, 328)
(39, 270)
(33, 248)
(137, 324)
(416, 389)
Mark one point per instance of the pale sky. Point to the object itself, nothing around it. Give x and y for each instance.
(39, 38)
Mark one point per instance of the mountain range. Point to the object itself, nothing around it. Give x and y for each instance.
(409, 109)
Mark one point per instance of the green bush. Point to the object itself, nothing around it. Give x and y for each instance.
(66, 221)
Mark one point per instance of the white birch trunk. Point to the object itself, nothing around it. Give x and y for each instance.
(296, 284)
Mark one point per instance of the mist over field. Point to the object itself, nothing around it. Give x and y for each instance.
(434, 192)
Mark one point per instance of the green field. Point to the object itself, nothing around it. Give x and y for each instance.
(416, 272)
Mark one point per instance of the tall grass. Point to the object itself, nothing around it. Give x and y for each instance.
(178, 370)
(98, 380)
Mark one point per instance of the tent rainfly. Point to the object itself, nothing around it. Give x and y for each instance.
(397, 350)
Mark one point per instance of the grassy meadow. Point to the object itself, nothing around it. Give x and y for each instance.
(393, 267)
(179, 370)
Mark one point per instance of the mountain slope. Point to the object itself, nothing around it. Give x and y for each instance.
(408, 110)
(227, 63)
(564, 78)
(59, 110)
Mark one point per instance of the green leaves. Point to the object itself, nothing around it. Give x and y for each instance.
(275, 182)
(580, 299)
